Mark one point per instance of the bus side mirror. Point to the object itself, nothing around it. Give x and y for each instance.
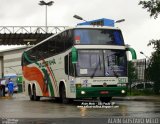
(74, 55)
(133, 52)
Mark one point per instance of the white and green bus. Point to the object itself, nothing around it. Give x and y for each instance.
(78, 63)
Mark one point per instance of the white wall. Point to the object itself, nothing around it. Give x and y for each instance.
(11, 61)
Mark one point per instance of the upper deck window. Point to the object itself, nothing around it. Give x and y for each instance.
(98, 37)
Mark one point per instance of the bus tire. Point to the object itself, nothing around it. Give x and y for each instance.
(63, 95)
(105, 99)
(35, 97)
(30, 93)
(57, 99)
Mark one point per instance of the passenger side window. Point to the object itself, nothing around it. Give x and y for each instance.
(71, 66)
(69, 39)
(66, 64)
(59, 44)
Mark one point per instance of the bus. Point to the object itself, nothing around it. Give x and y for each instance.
(81, 62)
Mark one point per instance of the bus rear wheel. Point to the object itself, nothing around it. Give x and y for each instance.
(30, 93)
(63, 95)
(105, 99)
(35, 97)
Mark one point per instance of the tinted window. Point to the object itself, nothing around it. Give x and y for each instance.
(71, 68)
(98, 37)
(51, 47)
(109, 63)
(68, 39)
(90, 63)
(66, 64)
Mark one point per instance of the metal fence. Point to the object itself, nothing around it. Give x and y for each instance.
(31, 29)
(142, 82)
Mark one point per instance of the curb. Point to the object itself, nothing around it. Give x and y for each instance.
(141, 98)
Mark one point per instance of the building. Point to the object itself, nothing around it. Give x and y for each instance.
(10, 62)
(140, 67)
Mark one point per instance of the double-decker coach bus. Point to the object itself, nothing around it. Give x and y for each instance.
(79, 62)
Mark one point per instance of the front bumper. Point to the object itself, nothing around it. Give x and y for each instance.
(89, 92)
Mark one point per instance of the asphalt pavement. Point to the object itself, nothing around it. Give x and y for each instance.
(20, 109)
(127, 98)
(138, 98)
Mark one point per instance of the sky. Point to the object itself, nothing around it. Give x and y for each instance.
(138, 29)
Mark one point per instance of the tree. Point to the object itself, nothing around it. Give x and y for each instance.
(132, 75)
(152, 6)
(153, 71)
(154, 65)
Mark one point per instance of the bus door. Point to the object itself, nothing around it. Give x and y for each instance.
(70, 72)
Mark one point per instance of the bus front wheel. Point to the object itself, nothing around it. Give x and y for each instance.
(105, 99)
(63, 95)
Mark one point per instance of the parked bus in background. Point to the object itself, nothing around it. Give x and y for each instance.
(80, 62)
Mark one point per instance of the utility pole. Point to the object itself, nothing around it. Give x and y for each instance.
(50, 3)
(145, 68)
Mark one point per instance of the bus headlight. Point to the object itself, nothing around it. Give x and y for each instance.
(123, 91)
(83, 92)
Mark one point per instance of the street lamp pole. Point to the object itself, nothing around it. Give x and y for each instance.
(46, 19)
(119, 21)
(50, 3)
(80, 18)
(145, 67)
(144, 55)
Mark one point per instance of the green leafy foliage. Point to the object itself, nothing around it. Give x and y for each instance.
(132, 75)
(154, 65)
(153, 71)
(152, 6)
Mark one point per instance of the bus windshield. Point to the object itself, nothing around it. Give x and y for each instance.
(98, 63)
(98, 37)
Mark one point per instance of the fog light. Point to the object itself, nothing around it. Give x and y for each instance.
(78, 85)
(83, 92)
(123, 91)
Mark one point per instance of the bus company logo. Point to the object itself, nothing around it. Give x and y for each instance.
(85, 83)
(47, 63)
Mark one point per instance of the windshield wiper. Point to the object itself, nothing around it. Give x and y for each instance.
(112, 68)
(114, 72)
(98, 64)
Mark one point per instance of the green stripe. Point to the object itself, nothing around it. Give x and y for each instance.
(27, 58)
(49, 81)
(53, 74)
(44, 72)
(133, 52)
